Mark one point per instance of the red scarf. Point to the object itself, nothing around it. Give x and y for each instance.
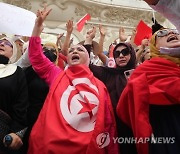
(77, 109)
(62, 60)
(157, 82)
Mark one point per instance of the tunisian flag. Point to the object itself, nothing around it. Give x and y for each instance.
(80, 24)
(143, 32)
(76, 118)
(111, 62)
(155, 82)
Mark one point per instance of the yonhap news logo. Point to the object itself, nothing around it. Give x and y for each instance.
(103, 140)
(152, 140)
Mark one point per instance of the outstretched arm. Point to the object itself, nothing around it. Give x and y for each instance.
(58, 41)
(90, 36)
(42, 65)
(133, 37)
(122, 36)
(41, 16)
(65, 46)
(101, 41)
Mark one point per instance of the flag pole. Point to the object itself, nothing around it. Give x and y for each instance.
(154, 18)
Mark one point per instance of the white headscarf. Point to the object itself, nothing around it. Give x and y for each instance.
(14, 55)
(9, 69)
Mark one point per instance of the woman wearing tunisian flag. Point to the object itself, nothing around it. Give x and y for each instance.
(77, 115)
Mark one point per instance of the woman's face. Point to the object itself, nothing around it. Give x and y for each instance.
(77, 55)
(50, 52)
(167, 38)
(6, 48)
(122, 56)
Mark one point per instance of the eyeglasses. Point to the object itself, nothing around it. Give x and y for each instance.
(124, 52)
(5, 42)
(166, 32)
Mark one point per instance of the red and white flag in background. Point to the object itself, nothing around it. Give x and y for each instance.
(143, 32)
(80, 24)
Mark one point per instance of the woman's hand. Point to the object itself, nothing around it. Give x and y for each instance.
(122, 36)
(41, 16)
(102, 30)
(90, 36)
(69, 26)
(91, 33)
(59, 36)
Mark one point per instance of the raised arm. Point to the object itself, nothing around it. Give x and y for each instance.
(90, 36)
(65, 46)
(133, 37)
(58, 41)
(42, 65)
(41, 16)
(122, 36)
(101, 42)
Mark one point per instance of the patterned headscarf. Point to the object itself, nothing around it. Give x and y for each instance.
(156, 53)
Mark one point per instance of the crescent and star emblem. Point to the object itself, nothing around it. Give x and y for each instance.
(79, 108)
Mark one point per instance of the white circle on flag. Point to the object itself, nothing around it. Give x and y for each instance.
(73, 105)
(111, 63)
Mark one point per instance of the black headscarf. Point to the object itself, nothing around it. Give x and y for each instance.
(114, 78)
(132, 61)
(120, 81)
(156, 26)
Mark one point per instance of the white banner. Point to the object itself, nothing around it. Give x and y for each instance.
(16, 20)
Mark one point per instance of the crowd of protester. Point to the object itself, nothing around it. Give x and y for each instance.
(61, 97)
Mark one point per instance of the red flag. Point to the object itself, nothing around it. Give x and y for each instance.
(77, 116)
(143, 32)
(80, 24)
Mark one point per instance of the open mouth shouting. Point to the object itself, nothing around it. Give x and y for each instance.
(75, 58)
(172, 38)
